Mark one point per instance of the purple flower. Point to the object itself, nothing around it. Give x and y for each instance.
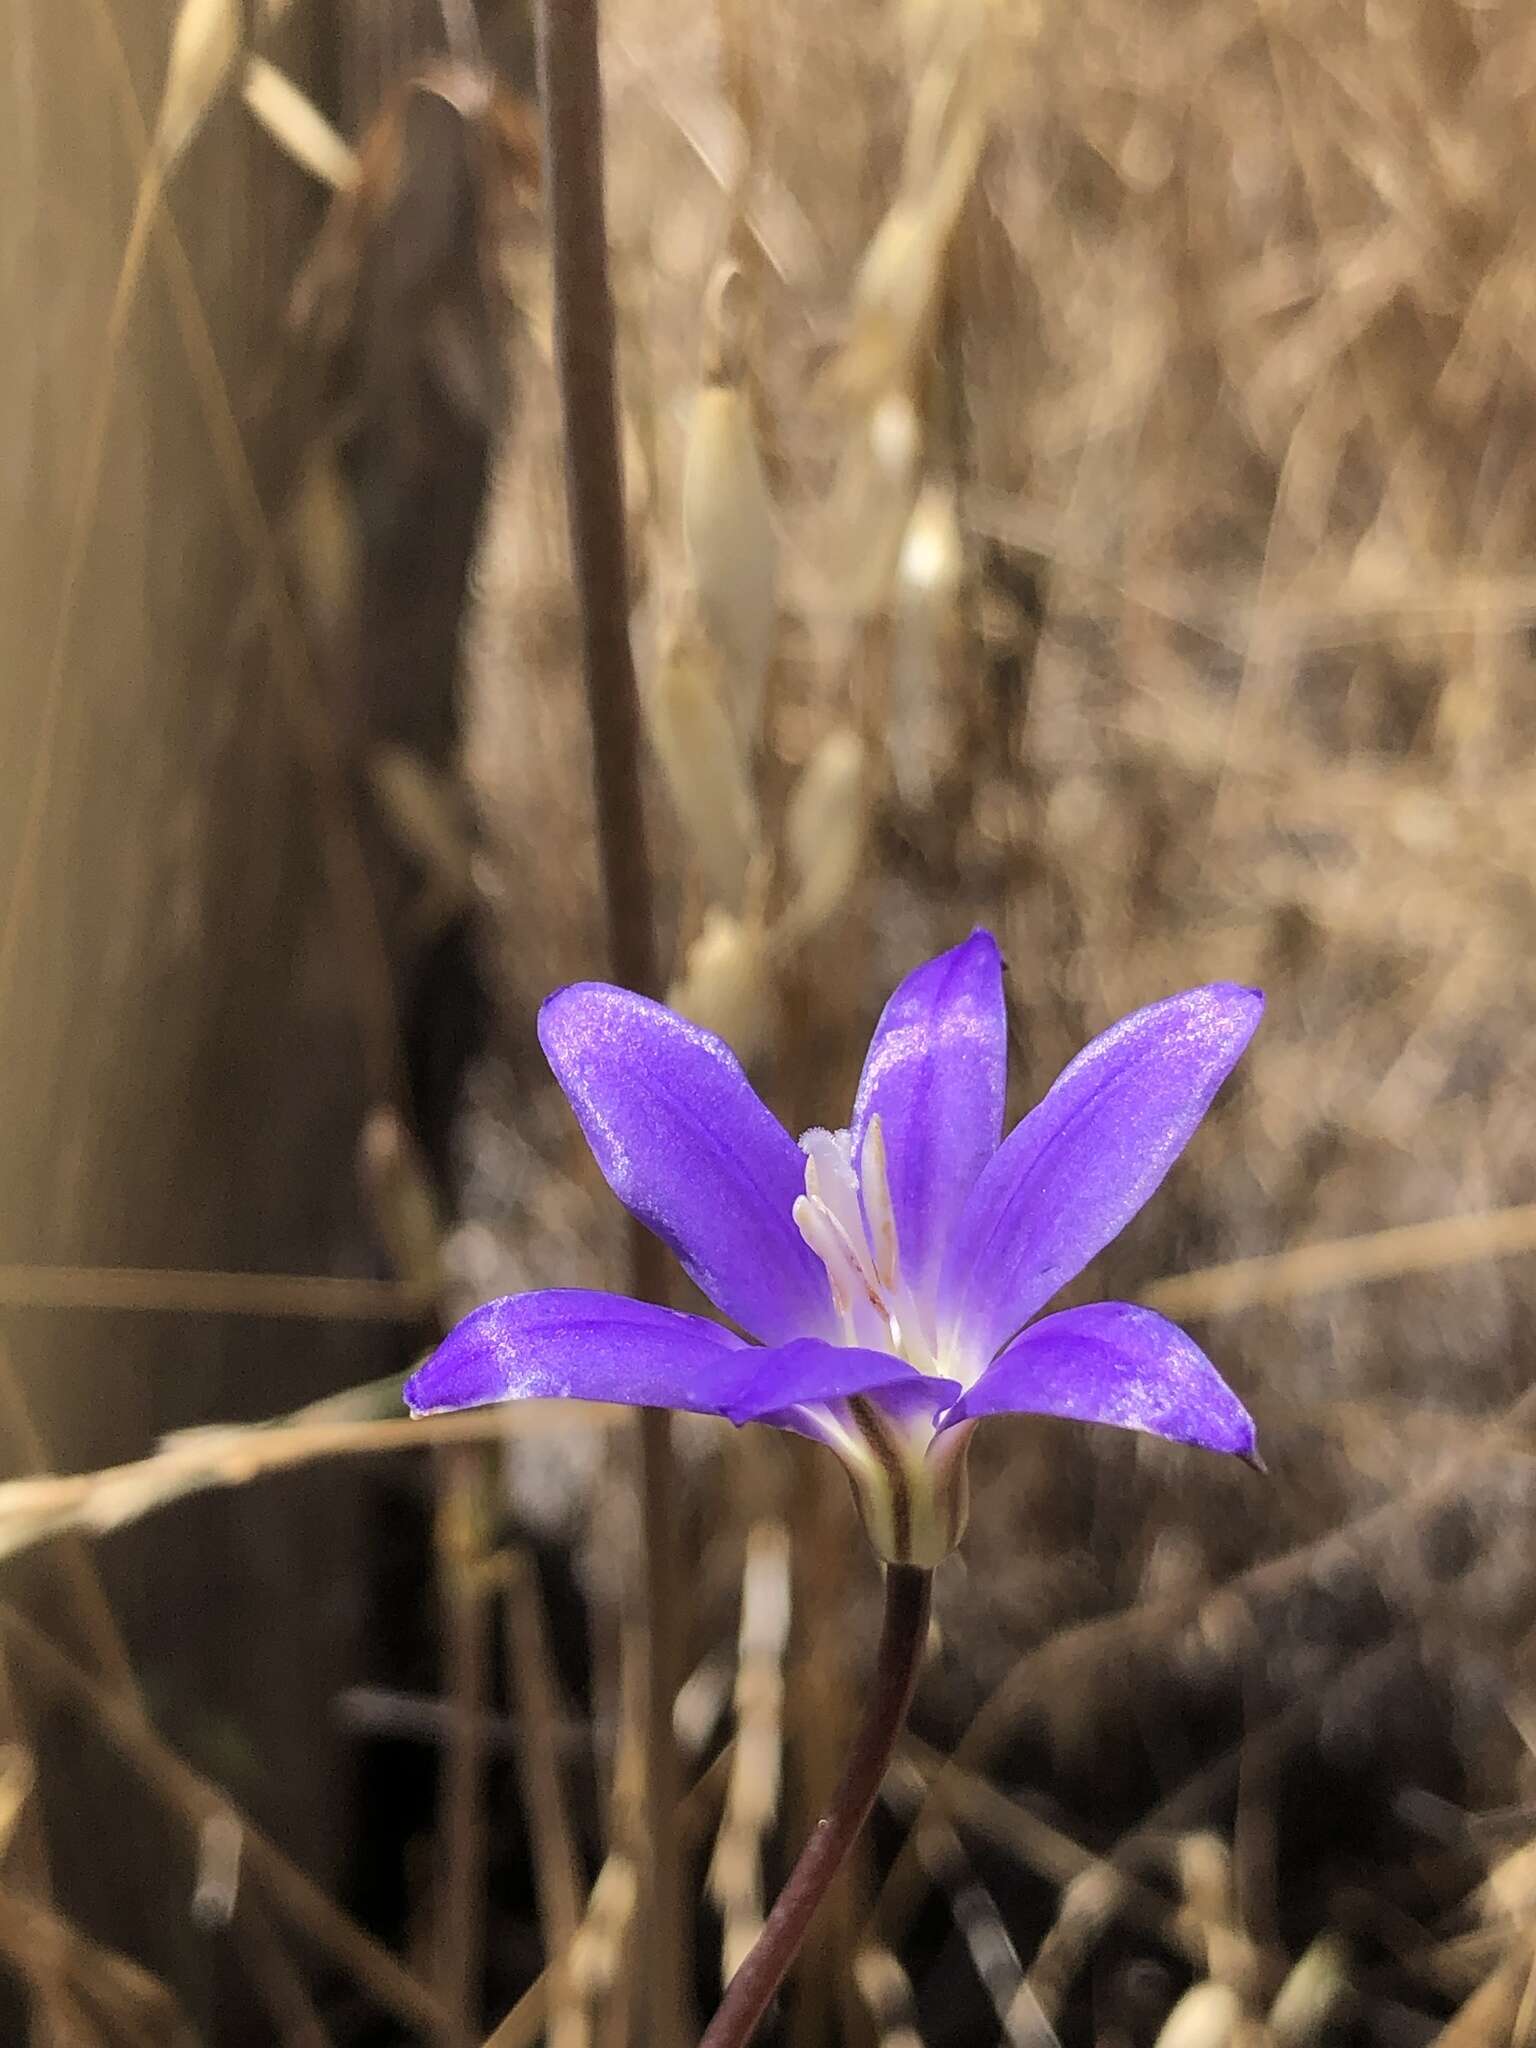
(889, 1273)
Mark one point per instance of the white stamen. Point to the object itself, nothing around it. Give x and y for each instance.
(875, 1180)
(829, 1159)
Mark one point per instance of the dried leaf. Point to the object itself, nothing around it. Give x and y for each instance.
(204, 45)
(297, 125)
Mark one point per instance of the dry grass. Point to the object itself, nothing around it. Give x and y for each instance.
(1137, 403)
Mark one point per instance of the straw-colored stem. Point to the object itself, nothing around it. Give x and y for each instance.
(464, 1591)
(584, 352)
(908, 1592)
(532, 1687)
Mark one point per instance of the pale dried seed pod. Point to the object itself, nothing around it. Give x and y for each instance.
(824, 833)
(732, 544)
(1317, 1991)
(1209, 2015)
(728, 521)
(899, 286)
(870, 506)
(727, 983)
(204, 45)
(925, 624)
(297, 125)
(704, 761)
(598, 1947)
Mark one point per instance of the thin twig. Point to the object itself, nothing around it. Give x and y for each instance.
(464, 1593)
(1346, 1262)
(34, 1511)
(571, 84)
(556, 1865)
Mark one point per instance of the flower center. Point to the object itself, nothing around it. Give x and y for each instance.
(846, 1217)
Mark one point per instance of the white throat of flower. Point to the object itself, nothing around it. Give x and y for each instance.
(846, 1217)
(908, 1479)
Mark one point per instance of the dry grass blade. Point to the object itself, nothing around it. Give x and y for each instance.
(735, 1880)
(1379, 1255)
(134, 2008)
(348, 879)
(157, 1290)
(887, 1991)
(1021, 2017)
(272, 1973)
(557, 1868)
(204, 45)
(194, 1461)
(525, 2023)
(464, 1592)
(297, 125)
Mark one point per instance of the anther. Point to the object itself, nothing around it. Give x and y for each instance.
(879, 1214)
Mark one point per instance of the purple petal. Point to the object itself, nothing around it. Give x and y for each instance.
(936, 1075)
(810, 1371)
(1076, 1170)
(1117, 1364)
(571, 1344)
(688, 1147)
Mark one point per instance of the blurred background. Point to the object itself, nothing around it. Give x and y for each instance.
(1078, 481)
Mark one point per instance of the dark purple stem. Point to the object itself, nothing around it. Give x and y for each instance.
(571, 86)
(907, 1594)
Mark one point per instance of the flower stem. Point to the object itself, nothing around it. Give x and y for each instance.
(908, 1590)
(571, 88)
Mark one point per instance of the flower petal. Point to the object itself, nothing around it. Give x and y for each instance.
(569, 1343)
(1114, 1363)
(689, 1148)
(936, 1074)
(1076, 1170)
(793, 1375)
